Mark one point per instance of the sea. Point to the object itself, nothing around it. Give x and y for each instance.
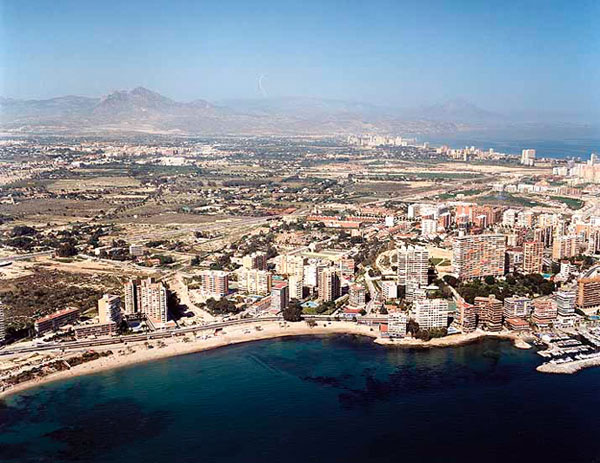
(561, 143)
(312, 399)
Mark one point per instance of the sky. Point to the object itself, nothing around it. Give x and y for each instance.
(541, 56)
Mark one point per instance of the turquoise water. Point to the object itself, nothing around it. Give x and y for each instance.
(312, 399)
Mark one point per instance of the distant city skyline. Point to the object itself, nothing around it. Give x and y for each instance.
(502, 57)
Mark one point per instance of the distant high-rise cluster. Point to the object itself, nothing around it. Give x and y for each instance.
(528, 157)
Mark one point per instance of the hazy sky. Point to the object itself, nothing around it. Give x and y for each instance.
(501, 55)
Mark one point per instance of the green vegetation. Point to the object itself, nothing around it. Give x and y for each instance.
(222, 306)
(508, 199)
(513, 284)
(572, 203)
(413, 328)
(293, 312)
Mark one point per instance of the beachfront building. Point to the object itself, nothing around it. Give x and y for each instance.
(490, 312)
(2, 324)
(109, 309)
(544, 313)
(296, 287)
(56, 320)
(148, 298)
(280, 296)
(588, 294)
(397, 321)
(357, 295)
(467, 316)
(329, 285)
(431, 313)
(516, 307)
(215, 283)
(477, 256)
(256, 281)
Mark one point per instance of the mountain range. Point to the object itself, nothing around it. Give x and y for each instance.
(143, 111)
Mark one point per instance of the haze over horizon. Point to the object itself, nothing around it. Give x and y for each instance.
(530, 57)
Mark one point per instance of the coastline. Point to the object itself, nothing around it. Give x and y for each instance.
(132, 354)
(568, 368)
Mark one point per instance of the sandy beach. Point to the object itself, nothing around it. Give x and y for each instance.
(135, 353)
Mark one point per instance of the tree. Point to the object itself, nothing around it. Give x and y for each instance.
(489, 280)
(293, 312)
(66, 250)
(412, 327)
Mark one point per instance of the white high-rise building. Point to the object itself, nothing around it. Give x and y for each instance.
(255, 281)
(2, 324)
(295, 284)
(509, 217)
(109, 309)
(528, 157)
(431, 313)
(397, 322)
(428, 227)
(413, 264)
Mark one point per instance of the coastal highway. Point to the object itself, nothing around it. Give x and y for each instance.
(87, 343)
(120, 340)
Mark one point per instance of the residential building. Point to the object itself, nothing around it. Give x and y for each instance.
(295, 287)
(428, 227)
(564, 247)
(149, 298)
(565, 302)
(136, 250)
(431, 313)
(256, 281)
(397, 321)
(509, 217)
(516, 307)
(357, 296)
(215, 283)
(413, 264)
(389, 289)
(467, 316)
(533, 255)
(109, 309)
(56, 320)
(588, 294)
(544, 313)
(528, 157)
(477, 256)
(256, 260)
(490, 312)
(95, 330)
(329, 285)
(280, 295)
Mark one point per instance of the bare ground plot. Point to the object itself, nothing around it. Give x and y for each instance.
(91, 184)
(167, 218)
(51, 210)
(45, 291)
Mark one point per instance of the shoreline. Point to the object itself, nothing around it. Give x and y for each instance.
(133, 354)
(568, 368)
